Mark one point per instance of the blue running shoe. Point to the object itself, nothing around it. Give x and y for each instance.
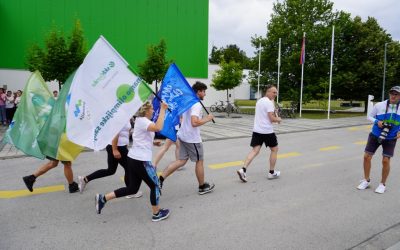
(100, 202)
(162, 215)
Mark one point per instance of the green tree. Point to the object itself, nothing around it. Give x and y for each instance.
(60, 57)
(289, 20)
(155, 66)
(229, 76)
(230, 53)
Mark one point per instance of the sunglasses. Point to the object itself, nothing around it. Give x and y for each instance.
(393, 93)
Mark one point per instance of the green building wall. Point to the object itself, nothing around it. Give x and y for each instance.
(129, 25)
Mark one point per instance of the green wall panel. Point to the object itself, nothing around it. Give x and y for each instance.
(129, 25)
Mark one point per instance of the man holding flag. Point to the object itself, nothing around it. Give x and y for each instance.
(190, 141)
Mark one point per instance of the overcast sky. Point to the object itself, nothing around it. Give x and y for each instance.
(236, 21)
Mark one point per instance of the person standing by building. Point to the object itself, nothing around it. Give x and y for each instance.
(385, 131)
(139, 162)
(117, 153)
(263, 133)
(190, 141)
(3, 117)
(10, 106)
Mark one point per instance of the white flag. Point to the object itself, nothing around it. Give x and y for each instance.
(104, 95)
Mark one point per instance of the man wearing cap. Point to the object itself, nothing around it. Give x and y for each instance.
(385, 131)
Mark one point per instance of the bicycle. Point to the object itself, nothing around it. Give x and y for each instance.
(218, 107)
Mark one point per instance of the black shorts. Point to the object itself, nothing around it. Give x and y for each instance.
(387, 146)
(52, 159)
(258, 139)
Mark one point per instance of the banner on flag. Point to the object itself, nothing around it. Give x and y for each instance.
(32, 112)
(179, 95)
(52, 139)
(104, 96)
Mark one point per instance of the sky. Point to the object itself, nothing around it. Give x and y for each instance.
(236, 21)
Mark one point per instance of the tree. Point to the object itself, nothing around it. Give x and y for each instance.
(155, 66)
(228, 77)
(60, 57)
(230, 53)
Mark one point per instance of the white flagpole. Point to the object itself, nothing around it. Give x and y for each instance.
(302, 74)
(259, 68)
(279, 69)
(330, 71)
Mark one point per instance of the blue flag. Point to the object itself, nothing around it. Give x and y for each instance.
(177, 93)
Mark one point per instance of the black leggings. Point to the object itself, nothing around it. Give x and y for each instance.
(137, 171)
(112, 164)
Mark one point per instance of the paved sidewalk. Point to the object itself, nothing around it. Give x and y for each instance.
(235, 126)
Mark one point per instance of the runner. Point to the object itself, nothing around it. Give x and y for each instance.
(117, 152)
(191, 145)
(139, 162)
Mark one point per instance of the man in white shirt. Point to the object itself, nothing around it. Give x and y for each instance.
(263, 132)
(191, 145)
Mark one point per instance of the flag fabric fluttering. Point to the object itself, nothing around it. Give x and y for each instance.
(303, 51)
(179, 95)
(52, 138)
(105, 94)
(32, 112)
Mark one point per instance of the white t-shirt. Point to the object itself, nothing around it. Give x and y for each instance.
(142, 145)
(188, 133)
(262, 123)
(123, 138)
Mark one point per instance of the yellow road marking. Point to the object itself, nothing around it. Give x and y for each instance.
(226, 164)
(366, 127)
(360, 142)
(287, 155)
(240, 163)
(329, 148)
(21, 193)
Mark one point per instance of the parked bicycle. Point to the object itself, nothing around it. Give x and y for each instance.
(287, 112)
(221, 107)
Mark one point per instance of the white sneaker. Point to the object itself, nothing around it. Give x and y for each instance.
(364, 184)
(137, 195)
(242, 175)
(380, 189)
(275, 175)
(81, 183)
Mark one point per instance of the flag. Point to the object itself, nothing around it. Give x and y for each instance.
(303, 50)
(177, 93)
(52, 139)
(105, 94)
(32, 113)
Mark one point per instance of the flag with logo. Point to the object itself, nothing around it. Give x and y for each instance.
(105, 94)
(177, 93)
(32, 112)
(52, 138)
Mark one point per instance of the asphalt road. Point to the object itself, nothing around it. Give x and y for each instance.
(313, 205)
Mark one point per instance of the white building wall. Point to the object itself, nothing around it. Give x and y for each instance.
(16, 79)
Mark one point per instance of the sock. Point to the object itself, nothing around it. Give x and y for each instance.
(34, 177)
(244, 169)
(104, 199)
(271, 171)
(157, 213)
(161, 179)
(85, 180)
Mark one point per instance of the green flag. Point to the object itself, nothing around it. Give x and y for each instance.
(52, 139)
(32, 112)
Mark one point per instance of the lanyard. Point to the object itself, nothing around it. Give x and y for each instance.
(387, 107)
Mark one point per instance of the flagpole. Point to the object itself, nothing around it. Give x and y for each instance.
(279, 68)
(259, 68)
(330, 71)
(302, 73)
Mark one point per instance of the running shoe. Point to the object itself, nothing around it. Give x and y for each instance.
(380, 189)
(100, 202)
(275, 175)
(206, 188)
(242, 175)
(29, 180)
(137, 195)
(81, 183)
(364, 184)
(73, 187)
(161, 215)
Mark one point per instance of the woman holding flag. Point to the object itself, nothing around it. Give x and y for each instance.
(139, 162)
